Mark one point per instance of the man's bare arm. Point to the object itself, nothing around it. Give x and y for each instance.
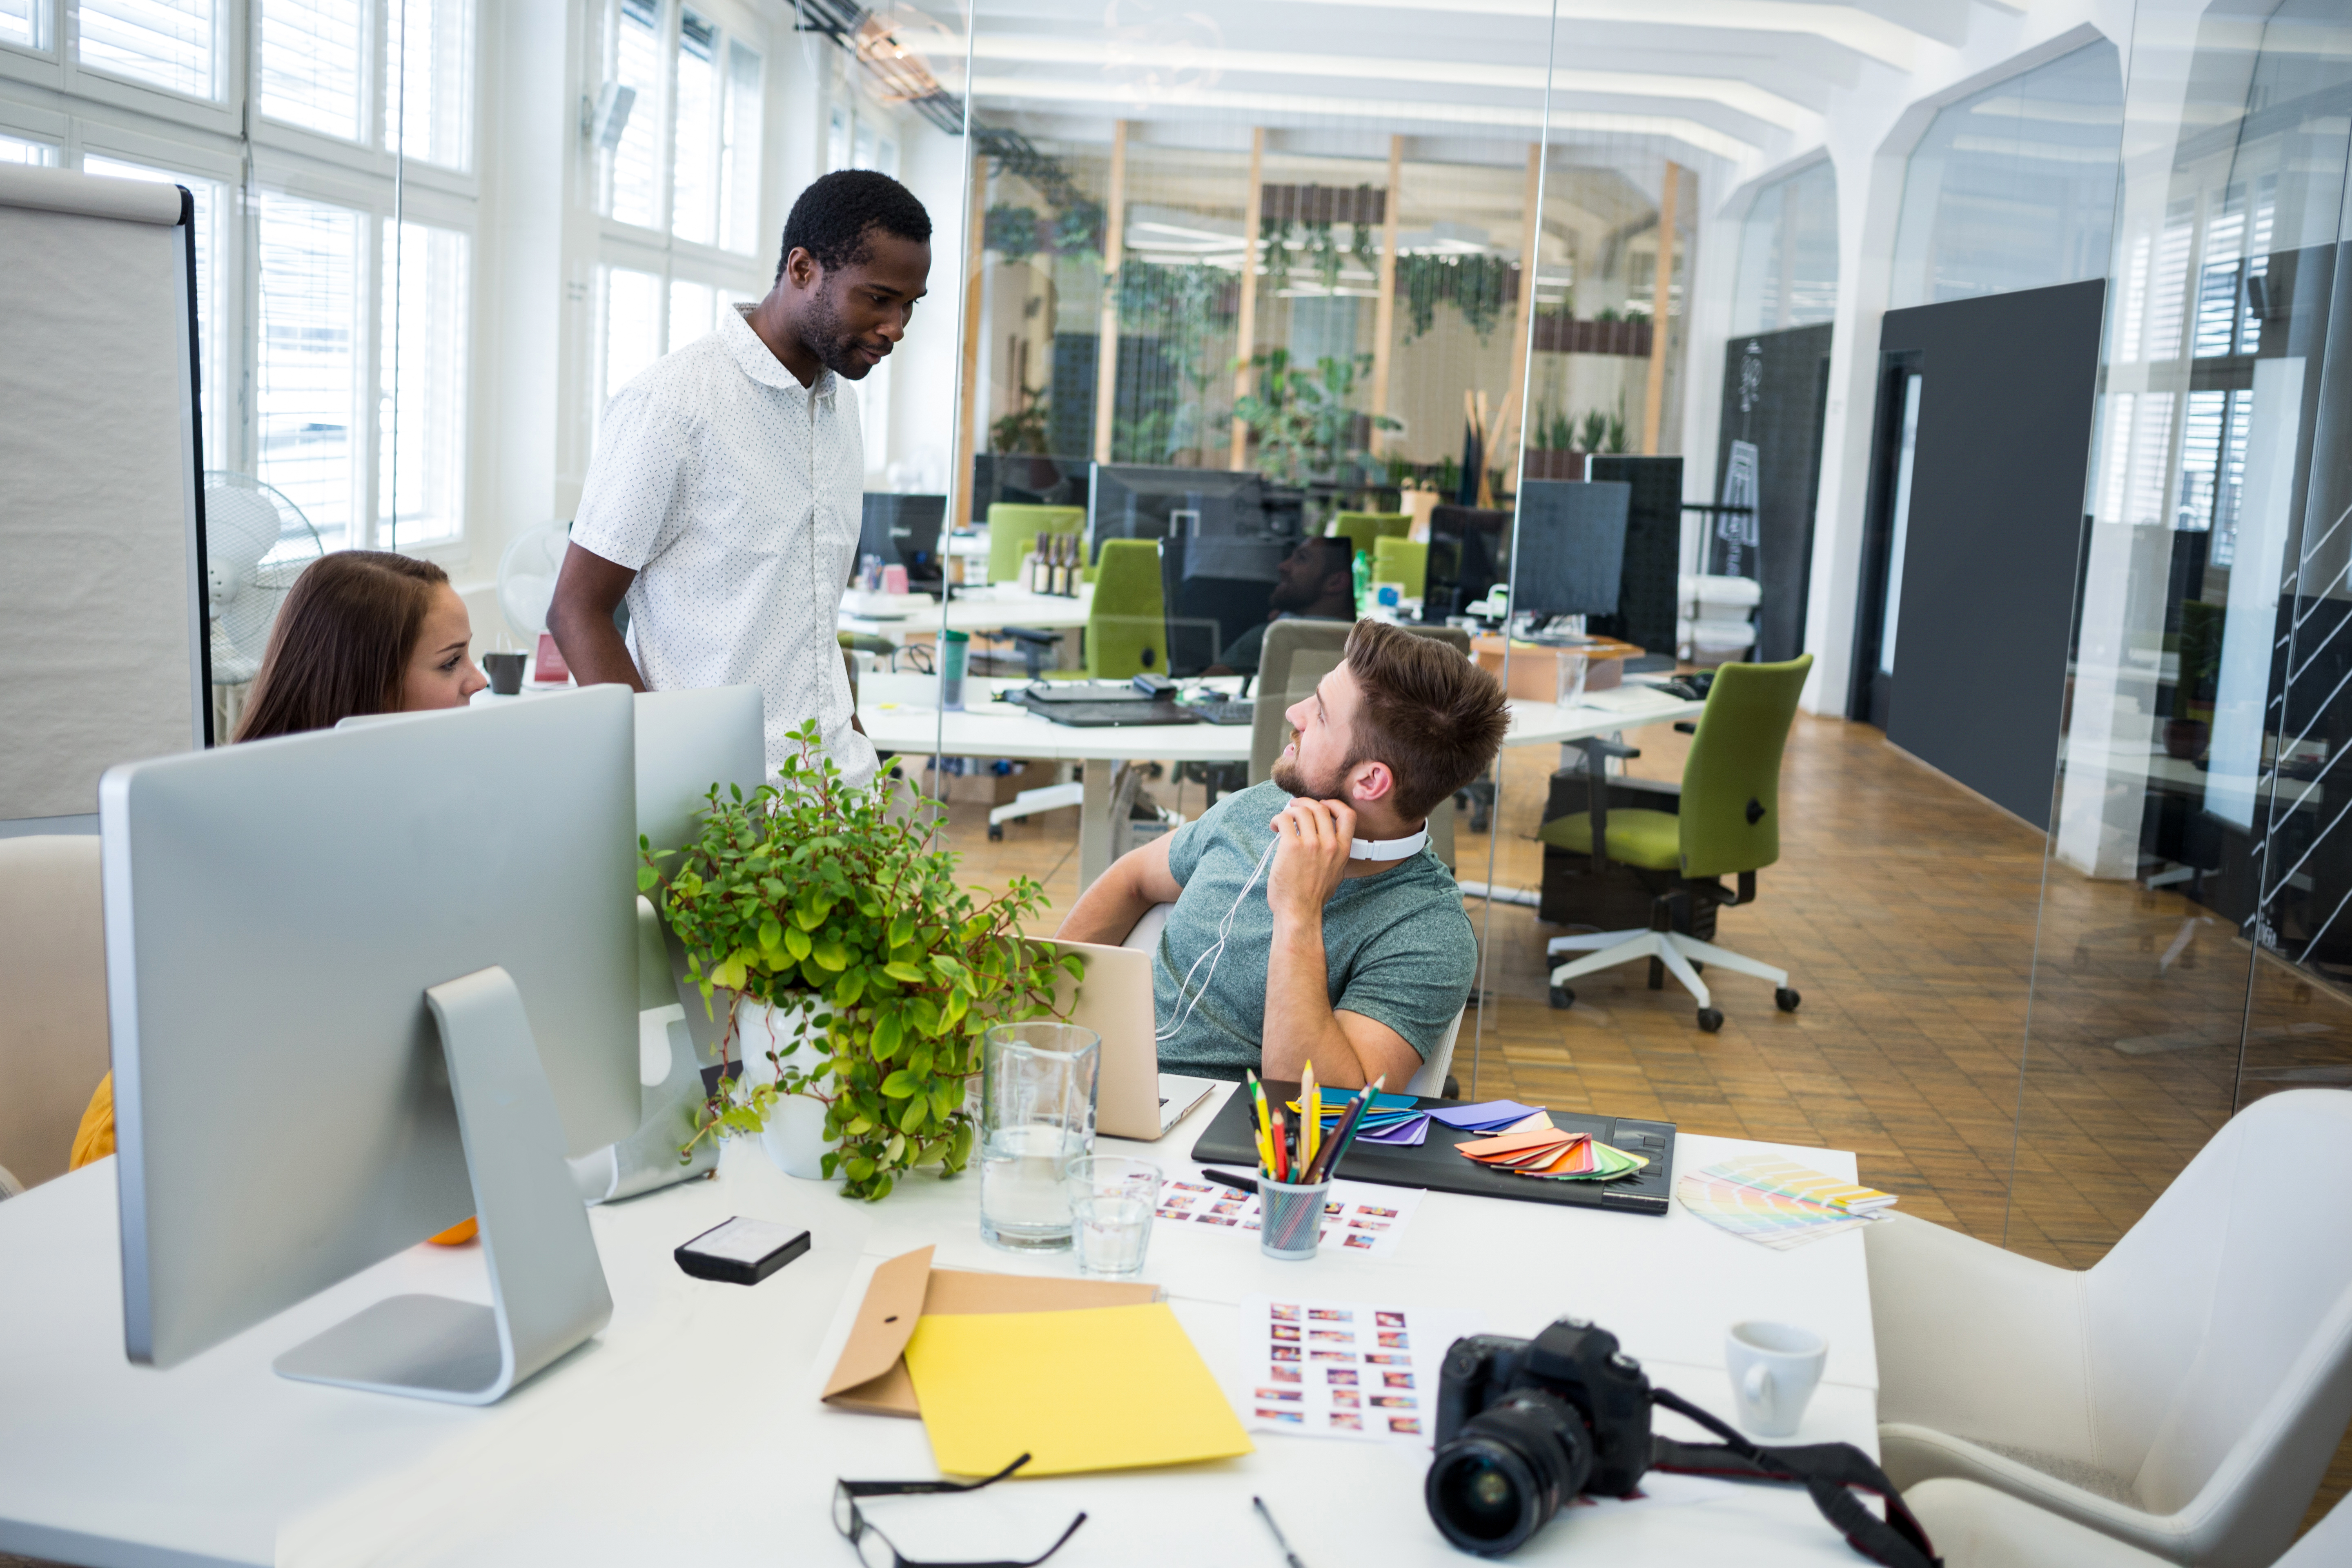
(1137, 881)
(587, 590)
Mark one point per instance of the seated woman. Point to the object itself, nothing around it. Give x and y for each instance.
(362, 632)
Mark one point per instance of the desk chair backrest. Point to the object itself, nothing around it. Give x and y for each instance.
(53, 1038)
(1013, 529)
(1361, 530)
(1127, 623)
(1294, 657)
(1404, 561)
(1731, 782)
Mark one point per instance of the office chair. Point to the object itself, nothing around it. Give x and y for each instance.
(1013, 529)
(1404, 561)
(53, 1036)
(1729, 824)
(1295, 658)
(1361, 530)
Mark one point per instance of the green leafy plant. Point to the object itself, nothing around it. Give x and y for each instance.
(1013, 232)
(1305, 420)
(1475, 285)
(1188, 308)
(1078, 229)
(1274, 251)
(1027, 428)
(1323, 250)
(1596, 430)
(813, 892)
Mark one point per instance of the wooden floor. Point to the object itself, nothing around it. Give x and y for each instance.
(1906, 911)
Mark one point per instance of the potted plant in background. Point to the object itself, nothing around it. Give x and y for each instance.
(862, 977)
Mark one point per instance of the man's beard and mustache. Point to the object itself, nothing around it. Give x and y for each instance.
(1291, 779)
(834, 344)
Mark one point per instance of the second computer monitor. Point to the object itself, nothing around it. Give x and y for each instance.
(1139, 500)
(904, 531)
(1569, 556)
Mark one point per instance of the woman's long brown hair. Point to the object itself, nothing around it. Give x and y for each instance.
(342, 643)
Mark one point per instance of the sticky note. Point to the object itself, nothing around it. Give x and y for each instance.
(1108, 1388)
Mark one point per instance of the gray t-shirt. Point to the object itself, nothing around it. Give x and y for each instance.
(1397, 946)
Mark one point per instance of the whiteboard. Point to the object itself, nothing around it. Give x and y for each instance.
(102, 654)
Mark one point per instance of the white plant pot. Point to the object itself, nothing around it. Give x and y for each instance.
(794, 1136)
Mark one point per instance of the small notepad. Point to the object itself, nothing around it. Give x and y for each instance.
(1108, 1388)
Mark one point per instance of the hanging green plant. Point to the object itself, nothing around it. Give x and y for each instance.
(1362, 246)
(1274, 251)
(1477, 285)
(1013, 232)
(1323, 250)
(1079, 230)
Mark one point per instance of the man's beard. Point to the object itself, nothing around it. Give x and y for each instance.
(833, 345)
(1291, 780)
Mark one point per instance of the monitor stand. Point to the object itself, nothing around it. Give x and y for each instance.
(547, 1285)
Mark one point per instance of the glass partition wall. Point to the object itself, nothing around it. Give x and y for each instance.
(1230, 335)
(2192, 952)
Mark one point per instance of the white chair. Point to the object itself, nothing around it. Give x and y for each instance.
(2185, 1393)
(1976, 1527)
(1428, 1082)
(53, 1044)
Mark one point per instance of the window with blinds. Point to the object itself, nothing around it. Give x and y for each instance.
(18, 149)
(421, 403)
(738, 153)
(634, 169)
(306, 368)
(169, 44)
(21, 23)
(429, 69)
(694, 205)
(633, 327)
(313, 61)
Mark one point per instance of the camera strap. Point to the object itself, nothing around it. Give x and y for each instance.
(1830, 1471)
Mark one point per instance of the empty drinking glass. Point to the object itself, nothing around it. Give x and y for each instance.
(1112, 1199)
(1037, 1115)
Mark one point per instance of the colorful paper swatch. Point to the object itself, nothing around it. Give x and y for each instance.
(1534, 1147)
(1775, 1219)
(1771, 1174)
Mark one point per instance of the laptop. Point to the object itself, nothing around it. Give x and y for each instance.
(1133, 1098)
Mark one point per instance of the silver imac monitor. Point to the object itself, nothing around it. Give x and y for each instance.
(362, 983)
(688, 741)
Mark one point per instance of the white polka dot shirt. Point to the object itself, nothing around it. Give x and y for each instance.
(735, 494)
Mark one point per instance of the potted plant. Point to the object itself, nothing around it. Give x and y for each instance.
(860, 974)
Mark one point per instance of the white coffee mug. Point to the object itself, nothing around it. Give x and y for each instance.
(1774, 1370)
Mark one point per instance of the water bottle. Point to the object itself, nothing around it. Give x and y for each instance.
(1363, 573)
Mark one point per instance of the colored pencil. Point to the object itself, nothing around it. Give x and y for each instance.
(1265, 1124)
(1343, 1137)
(1310, 1118)
(1281, 1171)
(1350, 1115)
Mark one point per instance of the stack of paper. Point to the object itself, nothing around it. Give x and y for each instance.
(1354, 1370)
(1534, 1147)
(1778, 1203)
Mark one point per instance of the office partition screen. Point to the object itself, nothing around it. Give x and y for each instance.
(101, 568)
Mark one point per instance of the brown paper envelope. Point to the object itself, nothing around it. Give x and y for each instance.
(870, 1376)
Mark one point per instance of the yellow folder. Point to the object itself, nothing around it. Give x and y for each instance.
(1107, 1388)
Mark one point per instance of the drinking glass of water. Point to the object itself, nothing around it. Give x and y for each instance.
(1037, 1115)
(1111, 1203)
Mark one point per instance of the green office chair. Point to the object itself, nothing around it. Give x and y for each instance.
(1127, 620)
(1404, 561)
(1729, 824)
(1361, 529)
(1013, 529)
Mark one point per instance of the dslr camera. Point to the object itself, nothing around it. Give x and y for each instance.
(1525, 1425)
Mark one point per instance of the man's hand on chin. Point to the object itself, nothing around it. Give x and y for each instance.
(1312, 858)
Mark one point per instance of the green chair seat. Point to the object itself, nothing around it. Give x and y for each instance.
(1361, 529)
(1650, 839)
(1404, 561)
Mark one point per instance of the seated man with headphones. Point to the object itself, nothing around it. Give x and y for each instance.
(1312, 921)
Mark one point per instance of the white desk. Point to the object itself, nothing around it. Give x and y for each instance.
(691, 1429)
(986, 728)
(988, 609)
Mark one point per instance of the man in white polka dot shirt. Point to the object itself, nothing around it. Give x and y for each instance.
(724, 498)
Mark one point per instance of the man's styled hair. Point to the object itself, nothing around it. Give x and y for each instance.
(1433, 716)
(833, 216)
(1337, 554)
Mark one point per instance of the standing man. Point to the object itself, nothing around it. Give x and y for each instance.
(725, 496)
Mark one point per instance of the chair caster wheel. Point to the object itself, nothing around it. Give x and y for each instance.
(1710, 1019)
(1786, 999)
(1562, 997)
(995, 831)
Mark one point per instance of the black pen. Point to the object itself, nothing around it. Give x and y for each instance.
(1288, 1556)
(1238, 1184)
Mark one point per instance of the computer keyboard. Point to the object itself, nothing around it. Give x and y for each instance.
(1632, 699)
(1231, 711)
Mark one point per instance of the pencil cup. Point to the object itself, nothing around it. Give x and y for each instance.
(1290, 1218)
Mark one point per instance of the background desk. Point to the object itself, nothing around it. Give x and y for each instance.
(990, 728)
(992, 609)
(690, 1431)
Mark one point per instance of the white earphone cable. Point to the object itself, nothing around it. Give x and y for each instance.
(1215, 949)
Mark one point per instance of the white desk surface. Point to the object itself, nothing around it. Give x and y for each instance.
(986, 609)
(991, 729)
(690, 1430)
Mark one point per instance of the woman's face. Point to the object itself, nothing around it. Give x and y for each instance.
(441, 674)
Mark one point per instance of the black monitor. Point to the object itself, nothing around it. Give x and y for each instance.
(1024, 478)
(904, 531)
(1137, 500)
(1468, 549)
(1571, 551)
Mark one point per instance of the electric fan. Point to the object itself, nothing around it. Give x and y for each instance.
(257, 542)
(527, 586)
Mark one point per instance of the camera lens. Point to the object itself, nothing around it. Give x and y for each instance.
(1506, 1474)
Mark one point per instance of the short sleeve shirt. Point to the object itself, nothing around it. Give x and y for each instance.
(735, 494)
(1397, 946)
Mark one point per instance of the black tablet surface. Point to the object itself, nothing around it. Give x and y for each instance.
(1231, 1140)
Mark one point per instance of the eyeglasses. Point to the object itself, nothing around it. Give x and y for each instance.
(874, 1548)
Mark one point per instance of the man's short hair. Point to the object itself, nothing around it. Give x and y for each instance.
(835, 214)
(1433, 716)
(1332, 554)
